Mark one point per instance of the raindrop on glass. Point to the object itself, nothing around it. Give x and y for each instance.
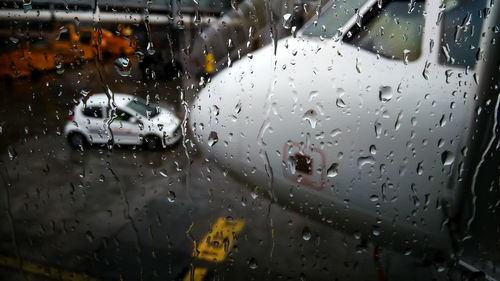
(306, 234)
(287, 20)
(252, 263)
(385, 93)
(311, 117)
(123, 66)
(447, 158)
(340, 103)
(333, 170)
(171, 196)
(213, 138)
(368, 160)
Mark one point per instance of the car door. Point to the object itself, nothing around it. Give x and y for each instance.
(94, 123)
(125, 127)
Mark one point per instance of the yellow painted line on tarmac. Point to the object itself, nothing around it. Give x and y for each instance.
(214, 247)
(217, 243)
(42, 270)
(195, 274)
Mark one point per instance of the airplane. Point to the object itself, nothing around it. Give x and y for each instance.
(245, 29)
(365, 120)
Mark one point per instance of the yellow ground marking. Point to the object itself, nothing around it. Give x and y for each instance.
(209, 63)
(46, 271)
(195, 274)
(217, 243)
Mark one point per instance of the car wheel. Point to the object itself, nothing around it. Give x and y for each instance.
(76, 140)
(152, 143)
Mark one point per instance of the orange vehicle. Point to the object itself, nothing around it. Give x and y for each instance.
(118, 45)
(84, 44)
(70, 46)
(23, 62)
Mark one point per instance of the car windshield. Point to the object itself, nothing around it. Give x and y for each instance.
(143, 108)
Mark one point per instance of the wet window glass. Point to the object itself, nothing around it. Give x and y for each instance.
(462, 23)
(394, 32)
(207, 140)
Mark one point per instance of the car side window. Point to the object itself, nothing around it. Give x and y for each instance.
(462, 23)
(92, 111)
(85, 37)
(64, 36)
(122, 115)
(394, 32)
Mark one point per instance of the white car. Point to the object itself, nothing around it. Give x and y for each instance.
(125, 119)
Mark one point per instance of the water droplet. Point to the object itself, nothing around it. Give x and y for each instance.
(306, 234)
(420, 168)
(237, 108)
(367, 160)
(333, 170)
(442, 121)
(335, 132)
(374, 198)
(411, 6)
(139, 55)
(252, 263)
(287, 20)
(441, 142)
(385, 93)
(254, 195)
(311, 117)
(215, 110)
(213, 138)
(163, 173)
(447, 158)
(397, 125)
(378, 129)
(62, 30)
(27, 5)
(150, 48)
(358, 65)
(340, 103)
(59, 68)
(373, 149)
(12, 153)
(14, 40)
(425, 73)
(89, 236)
(359, 18)
(171, 196)
(197, 19)
(123, 66)
(406, 53)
